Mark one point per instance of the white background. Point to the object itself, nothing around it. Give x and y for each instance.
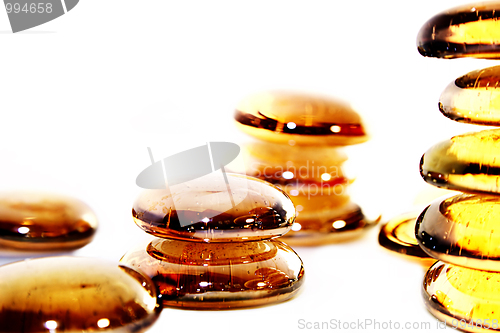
(82, 98)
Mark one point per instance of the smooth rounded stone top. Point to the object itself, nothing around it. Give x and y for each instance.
(465, 298)
(467, 162)
(211, 209)
(71, 294)
(473, 97)
(462, 230)
(41, 221)
(300, 119)
(471, 30)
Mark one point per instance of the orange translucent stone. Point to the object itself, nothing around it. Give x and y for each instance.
(462, 230)
(467, 299)
(471, 30)
(304, 119)
(219, 275)
(70, 294)
(467, 162)
(398, 235)
(40, 221)
(203, 210)
(329, 226)
(473, 98)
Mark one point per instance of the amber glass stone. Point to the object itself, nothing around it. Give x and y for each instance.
(473, 98)
(303, 119)
(302, 158)
(41, 221)
(303, 167)
(329, 226)
(198, 210)
(471, 30)
(467, 162)
(398, 235)
(465, 298)
(70, 294)
(462, 230)
(201, 275)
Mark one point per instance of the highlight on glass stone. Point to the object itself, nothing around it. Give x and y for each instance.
(471, 30)
(197, 275)
(44, 221)
(72, 294)
(467, 162)
(473, 98)
(462, 230)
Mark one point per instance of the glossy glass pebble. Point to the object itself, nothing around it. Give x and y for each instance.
(70, 294)
(198, 210)
(473, 98)
(465, 298)
(467, 162)
(303, 119)
(219, 275)
(40, 221)
(471, 30)
(329, 226)
(462, 230)
(398, 235)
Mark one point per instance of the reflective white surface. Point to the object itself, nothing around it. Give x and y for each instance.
(83, 97)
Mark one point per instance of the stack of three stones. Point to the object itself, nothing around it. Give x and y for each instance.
(463, 230)
(299, 149)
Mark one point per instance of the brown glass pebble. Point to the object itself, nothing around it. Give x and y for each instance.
(304, 119)
(473, 98)
(219, 275)
(471, 30)
(201, 210)
(71, 294)
(41, 221)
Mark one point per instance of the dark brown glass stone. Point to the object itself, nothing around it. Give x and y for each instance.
(203, 210)
(40, 221)
(70, 294)
(219, 275)
(471, 30)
